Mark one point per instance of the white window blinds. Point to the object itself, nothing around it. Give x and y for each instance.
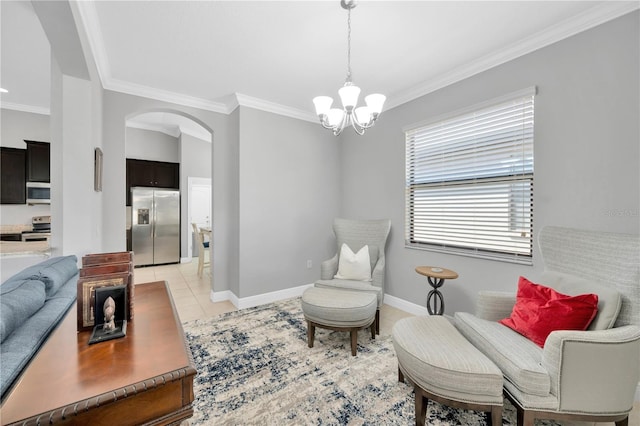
(469, 182)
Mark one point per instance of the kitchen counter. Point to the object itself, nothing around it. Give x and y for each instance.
(14, 229)
(17, 255)
(16, 248)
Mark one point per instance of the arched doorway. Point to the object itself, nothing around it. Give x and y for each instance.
(172, 137)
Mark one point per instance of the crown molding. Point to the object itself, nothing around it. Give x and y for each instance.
(154, 128)
(261, 104)
(91, 25)
(164, 95)
(25, 108)
(591, 18)
(596, 15)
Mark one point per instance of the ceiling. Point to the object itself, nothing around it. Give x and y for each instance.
(278, 55)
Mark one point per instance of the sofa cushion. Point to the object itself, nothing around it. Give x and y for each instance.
(19, 300)
(609, 300)
(539, 310)
(518, 358)
(53, 272)
(20, 346)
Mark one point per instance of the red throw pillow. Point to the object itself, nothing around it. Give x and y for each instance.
(539, 310)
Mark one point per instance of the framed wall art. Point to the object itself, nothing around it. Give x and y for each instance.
(97, 170)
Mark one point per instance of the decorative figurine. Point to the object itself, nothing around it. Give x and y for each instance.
(109, 315)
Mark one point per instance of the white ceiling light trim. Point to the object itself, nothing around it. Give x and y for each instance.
(25, 108)
(593, 17)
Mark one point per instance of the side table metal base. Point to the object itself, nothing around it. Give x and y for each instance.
(434, 298)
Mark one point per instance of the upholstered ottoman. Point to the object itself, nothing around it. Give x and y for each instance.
(443, 366)
(339, 310)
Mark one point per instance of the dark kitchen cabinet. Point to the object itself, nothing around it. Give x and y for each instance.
(157, 174)
(13, 176)
(38, 161)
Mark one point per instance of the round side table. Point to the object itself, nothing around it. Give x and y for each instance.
(436, 277)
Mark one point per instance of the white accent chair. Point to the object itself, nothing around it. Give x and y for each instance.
(356, 234)
(202, 247)
(587, 375)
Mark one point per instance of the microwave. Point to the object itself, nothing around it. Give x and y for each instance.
(38, 193)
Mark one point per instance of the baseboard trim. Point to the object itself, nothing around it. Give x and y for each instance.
(260, 299)
(402, 304)
(186, 260)
(221, 296)
(637, 398)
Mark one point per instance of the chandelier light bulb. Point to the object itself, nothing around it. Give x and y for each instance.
(349, 96)
(375, 102)
(363, 116)
(360, 118)
(322, 104)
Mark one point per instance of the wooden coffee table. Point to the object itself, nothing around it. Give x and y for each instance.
(143, 378)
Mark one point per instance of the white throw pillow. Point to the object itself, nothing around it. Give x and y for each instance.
(354, 266)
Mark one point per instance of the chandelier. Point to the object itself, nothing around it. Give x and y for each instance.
(360, 118)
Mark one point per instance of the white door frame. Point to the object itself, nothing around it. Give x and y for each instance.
(191, 181)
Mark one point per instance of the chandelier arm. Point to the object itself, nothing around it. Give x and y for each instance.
(358, 129)
(338, 129)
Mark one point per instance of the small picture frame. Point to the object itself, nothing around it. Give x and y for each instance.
(97, 171)
(87, 296)
(110, 313)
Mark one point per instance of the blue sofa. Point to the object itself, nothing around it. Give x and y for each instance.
(32, 303)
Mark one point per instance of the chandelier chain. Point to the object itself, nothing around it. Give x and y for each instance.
(349, 45)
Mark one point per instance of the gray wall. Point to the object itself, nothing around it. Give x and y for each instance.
(151, 145)
(586, 154)
(289, 181)
(118, 107)
(195, 161)
(16, 127)
(275, 181)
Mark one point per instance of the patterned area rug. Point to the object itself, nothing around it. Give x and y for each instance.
(254, 367)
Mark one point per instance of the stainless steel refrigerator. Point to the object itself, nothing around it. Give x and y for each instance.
(155, 226)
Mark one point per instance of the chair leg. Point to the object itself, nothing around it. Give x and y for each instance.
(311, 333)
(623, 422)
(200, 262)
(525, 418)
(354, 341)
(378, 321)
(400, 375)
(494, 418)
(421, 406)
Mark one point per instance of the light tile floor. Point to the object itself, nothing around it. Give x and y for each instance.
(191, 295)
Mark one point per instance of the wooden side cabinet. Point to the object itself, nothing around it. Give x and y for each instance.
(38, 161)
(13, 176)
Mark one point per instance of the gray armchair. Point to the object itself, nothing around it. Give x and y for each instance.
(356, 234)
(578, 375)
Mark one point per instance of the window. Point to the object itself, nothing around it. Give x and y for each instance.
(469, 181)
